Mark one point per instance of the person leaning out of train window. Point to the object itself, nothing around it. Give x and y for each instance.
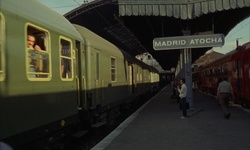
(31, 39)
(224, 94)
(31, 42)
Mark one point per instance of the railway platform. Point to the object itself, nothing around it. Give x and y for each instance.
(157, 125)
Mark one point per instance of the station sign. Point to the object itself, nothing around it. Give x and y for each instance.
(195, 41)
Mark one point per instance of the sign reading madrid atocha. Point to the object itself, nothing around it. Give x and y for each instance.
(195, 41)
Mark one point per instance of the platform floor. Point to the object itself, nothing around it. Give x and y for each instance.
(157, 126)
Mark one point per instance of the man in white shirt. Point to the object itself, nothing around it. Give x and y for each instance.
(224, 93)
(183, 94)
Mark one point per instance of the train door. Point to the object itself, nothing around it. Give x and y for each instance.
(80, 74)
(130, 79)
(98, 82)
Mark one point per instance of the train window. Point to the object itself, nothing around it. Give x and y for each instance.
(218, 71)
(37, 53)
(210, 72)
(207, 73)
(224, 69)
(97, 66)
(234, 66)
(239, 71)
(113, 69)
(140, 72)
(221, 70)
(66, 58)
(213, 72)
(137, 74)
(2, 38)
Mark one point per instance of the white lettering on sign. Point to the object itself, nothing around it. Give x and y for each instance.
(170, 43)
(188, 41)
(192, 42)
(207, 40)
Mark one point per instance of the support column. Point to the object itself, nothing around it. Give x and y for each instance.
(188, 76)
(182, 63)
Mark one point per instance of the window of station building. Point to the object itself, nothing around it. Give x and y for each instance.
(66, 59)
(2, 39)
(37, 53)
(113, 69)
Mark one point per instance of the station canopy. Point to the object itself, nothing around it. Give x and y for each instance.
(133, 24)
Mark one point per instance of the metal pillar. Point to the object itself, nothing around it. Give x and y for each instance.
(188, 76)
(182, 64)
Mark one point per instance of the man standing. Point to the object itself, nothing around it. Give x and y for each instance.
(224, 93)
(183, 94)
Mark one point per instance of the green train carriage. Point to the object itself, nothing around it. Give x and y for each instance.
(110, 73)
(74, 76)
(36, 99)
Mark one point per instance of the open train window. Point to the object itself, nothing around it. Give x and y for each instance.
(37, 53)
(113, 69)
(66, 59)
(2, 56)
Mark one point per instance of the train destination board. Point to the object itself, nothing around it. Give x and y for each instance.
(195, 41)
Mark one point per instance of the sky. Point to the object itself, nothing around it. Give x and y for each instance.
(240, 31)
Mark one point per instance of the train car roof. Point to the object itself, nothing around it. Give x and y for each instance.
(227, 56)
(42, 15)
(220, 60)
(90, 38)
(246, 46)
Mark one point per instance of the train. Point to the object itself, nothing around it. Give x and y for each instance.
(234, 65)
(68, 82)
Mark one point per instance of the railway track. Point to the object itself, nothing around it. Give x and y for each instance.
(95, 135)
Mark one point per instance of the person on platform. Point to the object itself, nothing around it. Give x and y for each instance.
(183, 94)
(224, 94)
